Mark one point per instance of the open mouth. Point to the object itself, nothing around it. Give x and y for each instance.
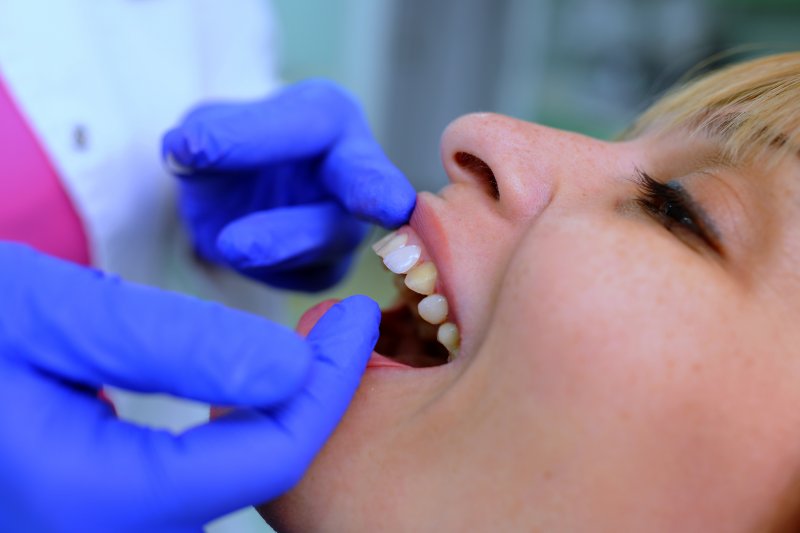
(417, 331)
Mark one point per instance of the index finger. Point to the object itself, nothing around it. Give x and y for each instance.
(301, 121)
(366, 183)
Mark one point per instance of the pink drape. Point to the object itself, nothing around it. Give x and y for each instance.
(34, 207)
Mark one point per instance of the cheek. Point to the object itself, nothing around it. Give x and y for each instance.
(628, 354)
(577, 292)
(611, 326)
(599, 328)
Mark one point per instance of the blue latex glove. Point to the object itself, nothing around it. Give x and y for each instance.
(66, 462)
(278, 188)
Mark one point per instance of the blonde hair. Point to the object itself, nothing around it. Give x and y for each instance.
(752, 108)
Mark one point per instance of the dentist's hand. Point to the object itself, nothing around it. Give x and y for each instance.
(279, 188)
(66, 462)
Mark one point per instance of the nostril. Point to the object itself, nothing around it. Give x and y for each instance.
(480, 170)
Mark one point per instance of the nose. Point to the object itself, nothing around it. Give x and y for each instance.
(518, 164)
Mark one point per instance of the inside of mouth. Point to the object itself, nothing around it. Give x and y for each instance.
(407, 338)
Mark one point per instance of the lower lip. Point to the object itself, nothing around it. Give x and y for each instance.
(310, 317)
(377, 360)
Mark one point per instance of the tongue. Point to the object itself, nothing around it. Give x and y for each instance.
(312, 316)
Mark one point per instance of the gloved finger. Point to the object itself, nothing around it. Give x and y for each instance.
(37, 435)
(57, 437)
(287, 238)
(89, 328)
(251, 456)
(305, 120)
(302, 120)
(366, 183)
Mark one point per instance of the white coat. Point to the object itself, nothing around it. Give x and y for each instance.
(100, 81)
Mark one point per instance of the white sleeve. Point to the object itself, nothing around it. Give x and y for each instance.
(122, 73)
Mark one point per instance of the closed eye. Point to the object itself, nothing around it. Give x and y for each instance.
(672, 205)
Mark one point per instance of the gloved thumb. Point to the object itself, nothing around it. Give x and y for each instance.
(250, 456)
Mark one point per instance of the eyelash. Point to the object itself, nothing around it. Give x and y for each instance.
(667, 203)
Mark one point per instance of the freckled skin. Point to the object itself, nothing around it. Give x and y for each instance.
(615, 378)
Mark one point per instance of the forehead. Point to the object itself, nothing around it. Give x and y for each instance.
(770, 164)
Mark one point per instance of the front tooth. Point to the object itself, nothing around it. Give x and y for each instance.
(383, 241)
(393, 244)
(422, 278)
(433, 308)
(401, 260)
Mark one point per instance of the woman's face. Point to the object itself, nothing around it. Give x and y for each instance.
(621, 368)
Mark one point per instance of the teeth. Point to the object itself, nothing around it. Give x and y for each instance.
(395, 243)
(422, 278)
(383, 240)
(449, 337)
(433, 308)
(402, 259)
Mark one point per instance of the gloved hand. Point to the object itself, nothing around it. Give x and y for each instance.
(66, 462)
(278, 188)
